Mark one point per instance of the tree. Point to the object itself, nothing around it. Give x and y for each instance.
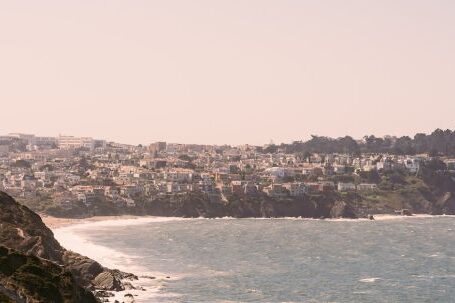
(404, 146)
(22, 164)
(439, 142)
(270, 149)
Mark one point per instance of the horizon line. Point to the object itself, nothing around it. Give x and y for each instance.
(9, 134)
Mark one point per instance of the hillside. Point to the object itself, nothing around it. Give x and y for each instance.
(431, 191)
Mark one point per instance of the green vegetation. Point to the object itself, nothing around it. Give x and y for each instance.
(398, 191)
(40, 203)
(440, 142)
(22, 164)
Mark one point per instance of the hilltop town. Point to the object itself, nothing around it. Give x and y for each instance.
(80, 176)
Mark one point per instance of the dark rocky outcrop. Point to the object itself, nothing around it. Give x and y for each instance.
(107, 281)
(342, 210)
(23, 231)
(196, 204)
(29, 279)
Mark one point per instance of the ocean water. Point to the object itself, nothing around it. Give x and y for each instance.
(279, 260)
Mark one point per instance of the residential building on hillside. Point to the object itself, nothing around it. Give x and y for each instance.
(70, 142)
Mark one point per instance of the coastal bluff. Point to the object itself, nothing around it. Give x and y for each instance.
(197, 204)
(34, 267)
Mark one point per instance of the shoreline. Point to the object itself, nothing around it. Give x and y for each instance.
(70, 234)
(54, 223)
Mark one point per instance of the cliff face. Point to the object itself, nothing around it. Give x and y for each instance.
(418, 197)
(24, 231)
(199, 205)
(430, 193)
(34, 254)
(26, 278)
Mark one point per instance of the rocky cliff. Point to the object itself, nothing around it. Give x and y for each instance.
(26, 239)
(199, 205)
(27, 278)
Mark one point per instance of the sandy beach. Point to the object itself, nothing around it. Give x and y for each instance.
(54, 222)
(69, 232)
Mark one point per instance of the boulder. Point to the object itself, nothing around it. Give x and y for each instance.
(123, 275)
(107, 281)
(85, 269)
(129, 298)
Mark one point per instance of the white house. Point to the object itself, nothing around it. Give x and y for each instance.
(412, 164)
(367, 187)
(346, 186)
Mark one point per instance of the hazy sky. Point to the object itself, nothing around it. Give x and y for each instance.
(237, 71)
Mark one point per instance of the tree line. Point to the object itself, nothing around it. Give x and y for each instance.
(438, 143)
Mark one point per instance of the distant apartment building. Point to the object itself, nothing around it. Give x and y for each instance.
(280, 172)
(312, 187)
(179, 175)
(296, 189)
(450, 164)
(386, 164)
(28, 138)
(157, 147)
(46, 141)
(412, 164)
(70, 142)
(276, 190)
(172, 187)
(346, 186)
(100, 143)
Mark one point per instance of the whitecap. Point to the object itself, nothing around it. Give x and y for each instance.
(369, 280)
(70, 239)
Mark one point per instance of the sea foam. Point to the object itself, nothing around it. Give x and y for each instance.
(70, 238)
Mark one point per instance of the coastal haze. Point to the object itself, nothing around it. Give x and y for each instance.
(226, 72)
(227, 151)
